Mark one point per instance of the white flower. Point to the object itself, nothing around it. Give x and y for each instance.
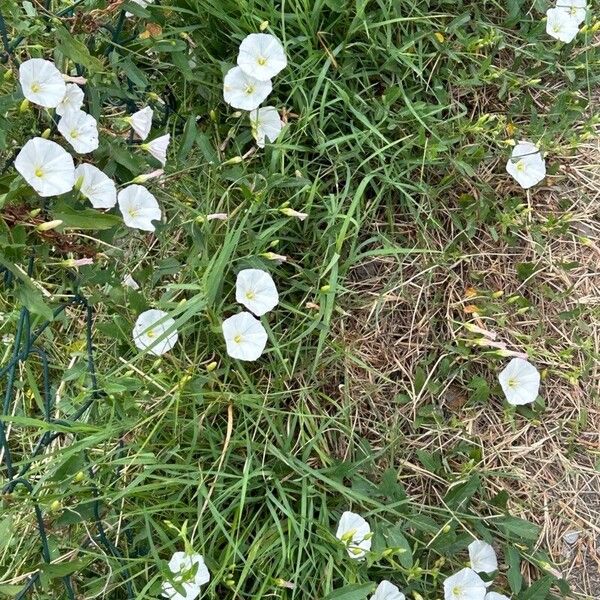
(266, 125)
(245, 337)
(96, 186)
(526, 165)
(482, 557)
(244, 92)
(80, 130)
(355, 533)
(72, 100)
(41, 82)
(46, 167)
(150, 332)
(464, 585)
(496, 596)
(561, 24)
(255, 289)
(387, 591)
(130, 282)
(141, 121)
(190, 572)
(261, 56)
(290, 212)
(576, 8)
(520, 382)
(138, 207)
(158, 148)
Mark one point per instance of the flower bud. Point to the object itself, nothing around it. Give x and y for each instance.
(263, 25)
(325, 288)
(8, 75)
(24, 106)
(236, 160)
(79, 477)
(48, 225)
(210, 367)
(46, 133)
(56, 506)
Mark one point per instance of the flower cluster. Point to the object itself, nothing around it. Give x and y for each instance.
(261, 56)
(50, 170)
(564, 20)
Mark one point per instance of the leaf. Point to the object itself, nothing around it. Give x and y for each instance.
(539, 590)
(32, 299)
(76, 50)
(356, 591)
(189, 136)
(396, 539)
(84, 218)
(515, 579)
(10, 590)
(63, 569)
(460, 494)
(513, 527)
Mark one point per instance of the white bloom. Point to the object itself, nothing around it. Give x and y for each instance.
(130, 282)
(41, 82)
(526, 165)
(576, 8)
(355, 533)
(142, 3)
(520, 382)
(72, 100)
(464, 585)
(80, 130)
(245, 337)
(189, 572)
(141, 121)
(138, 207)
(255, 289)
(244, 92)
(96, 186)
(217, 217)
(387, 591)
(496, 596)
(158, 148)
(266, 125)
(46, 167)
(482, 557)
(150, 332)
(561, 24)
(261, 56)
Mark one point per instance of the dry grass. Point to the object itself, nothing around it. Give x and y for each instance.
(408, 314)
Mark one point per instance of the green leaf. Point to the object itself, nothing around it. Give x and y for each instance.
(396, 539)
(539, 590)
(460, 494)
(515, 579)
(76, 50)
(63, 569)
(356, 591)
(189, 136)
(84, 218)
(515, 528)
(10, 590)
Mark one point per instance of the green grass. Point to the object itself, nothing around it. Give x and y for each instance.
(395, 148)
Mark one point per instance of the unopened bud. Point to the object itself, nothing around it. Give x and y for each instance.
(35, 212)
(48, 225)
(263, 25)
(213, 115)
(236, 160)
(55, 506)
(146, 176)
(24, 106)
(79, 477)
(210, 367)
(46, 133)
(8, 75)
(325, 288)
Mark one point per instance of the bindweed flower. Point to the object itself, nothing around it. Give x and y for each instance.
(245, 337)
(78, 262)
(96, 186)
(290, 212)
(80, 130)
(387, 591)
(278, 258)
(158, 148)
(46, 167)
(261, 56)
(147, 176)
(189, 572)
(355, 533)
(562, 25)
(266, 125)
(130, 282)
(138, 207)
(464, 585)
(520, 382)
(482, 557)
(217, 217)
(526, 165)
(72, 100)
(41, 82)
(255, 289)
(243, 91)
(141, 122)
(496, 596)
(155, 331)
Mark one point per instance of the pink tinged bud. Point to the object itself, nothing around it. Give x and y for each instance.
(290, 212)
(147, 176)
(77, 262)
(77, 80)
(217, 217)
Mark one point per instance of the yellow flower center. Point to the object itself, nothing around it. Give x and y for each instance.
(35, 87)
(512, 383)
(150, 333)
(133, 212)
(74, 134)
(249, 90)
(250, 295)
(456, 591)
(556, 28)
(521, 166)
(262, 61)
(238, 339)
(38, 172)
